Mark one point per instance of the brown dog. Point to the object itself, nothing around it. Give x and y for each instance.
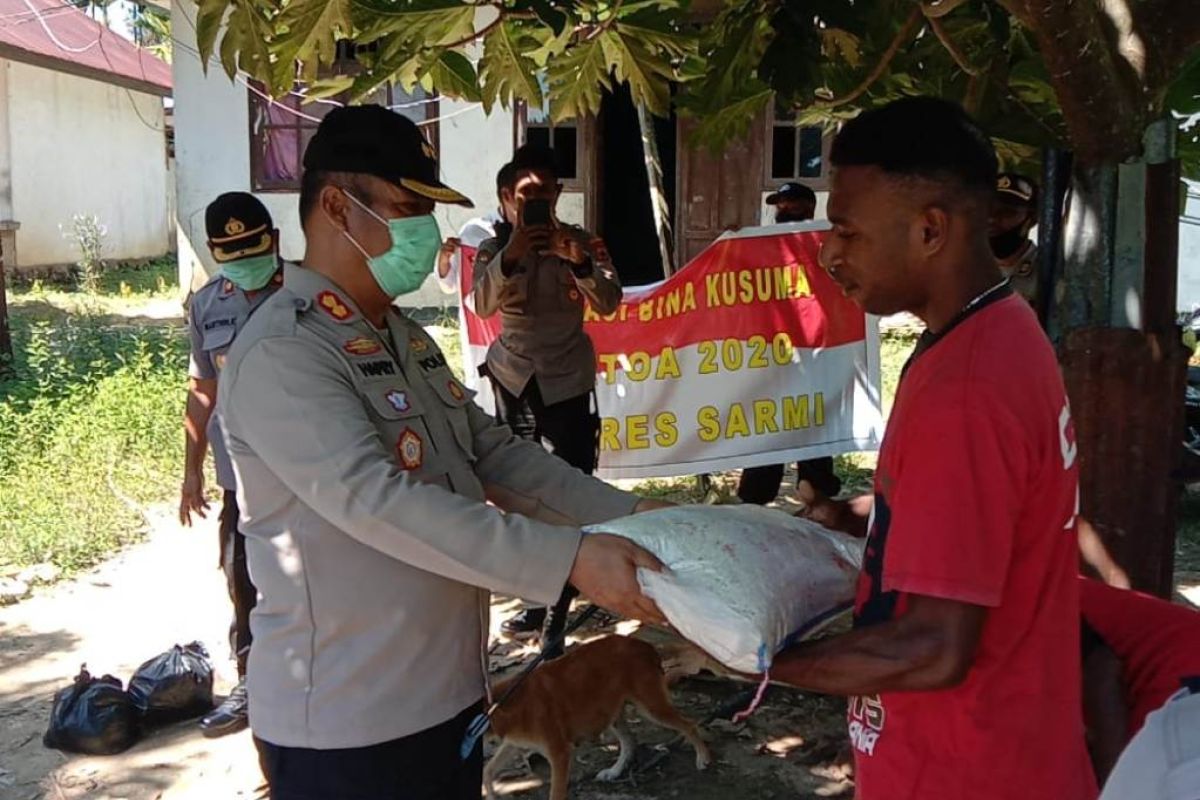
(578, 697)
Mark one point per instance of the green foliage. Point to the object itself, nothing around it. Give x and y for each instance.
(828, 59)
(152, 30)
(90, 423)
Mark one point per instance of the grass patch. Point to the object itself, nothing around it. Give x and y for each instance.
(125, 291)
(90, 418)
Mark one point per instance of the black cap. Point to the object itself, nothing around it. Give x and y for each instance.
(1011, 186)
(792, 191)
(376, 141)
(238, 226)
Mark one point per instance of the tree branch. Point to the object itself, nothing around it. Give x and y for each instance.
(952, 48)
(906, 32)
(936, 9)
(608, 23)
(479, 34)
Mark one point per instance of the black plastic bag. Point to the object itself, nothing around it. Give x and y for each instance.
(94, 716)
(174, 686)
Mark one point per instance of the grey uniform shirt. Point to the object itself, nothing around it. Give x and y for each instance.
(363, 466)
(217, 312)
(541, 311)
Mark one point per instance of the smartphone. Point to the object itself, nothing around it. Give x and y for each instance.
(536, 211)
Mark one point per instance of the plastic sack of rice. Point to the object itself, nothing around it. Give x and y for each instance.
(743, 582)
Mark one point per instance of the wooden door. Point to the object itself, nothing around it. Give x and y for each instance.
(716, 192)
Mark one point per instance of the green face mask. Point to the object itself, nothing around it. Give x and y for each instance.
(251, 274)
(404, 266)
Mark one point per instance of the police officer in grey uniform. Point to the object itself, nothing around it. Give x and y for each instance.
(538, 274)
(363, 469)
(244, 242)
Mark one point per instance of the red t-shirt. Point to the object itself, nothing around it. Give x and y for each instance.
(1158, 643)
(975, 501)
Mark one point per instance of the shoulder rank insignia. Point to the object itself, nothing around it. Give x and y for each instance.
(456, 391)
(334, 306)
(418, 345)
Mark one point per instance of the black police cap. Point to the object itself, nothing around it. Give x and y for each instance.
(376, 141)
(238, 226)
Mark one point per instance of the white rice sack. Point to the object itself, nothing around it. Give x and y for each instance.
(745, 581)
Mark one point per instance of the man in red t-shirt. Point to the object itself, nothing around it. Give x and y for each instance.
(1137, 651)
(963, 669)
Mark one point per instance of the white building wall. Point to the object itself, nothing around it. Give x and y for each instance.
(77, 146)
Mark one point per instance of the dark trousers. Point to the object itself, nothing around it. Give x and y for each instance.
(760, 485)
(237, 579)
(423, 766)
(570, 426)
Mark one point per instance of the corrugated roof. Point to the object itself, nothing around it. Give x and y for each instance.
(50, 34)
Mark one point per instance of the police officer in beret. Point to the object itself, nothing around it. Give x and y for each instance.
(1014, 213)
(245, 244)
(364, 470)
(794, 202)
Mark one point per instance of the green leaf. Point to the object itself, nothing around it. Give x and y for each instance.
(576, 80)
(209, 16)
(719, 126)
(506, 71)
(647, 74)
(552, 46)
(416, 23)
(837, 43)
(230, 44)
(658, 30)
(1183, 96)
(313, 27)
(454, 76)
(328, 87)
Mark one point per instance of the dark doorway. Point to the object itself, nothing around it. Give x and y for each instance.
(626, 218)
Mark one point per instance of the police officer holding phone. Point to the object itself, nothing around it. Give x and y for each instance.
(538, 274)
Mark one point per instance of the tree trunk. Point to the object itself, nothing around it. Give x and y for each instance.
(1122, 356)
(658, 195)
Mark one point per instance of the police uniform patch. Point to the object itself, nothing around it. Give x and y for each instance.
(456, 391)
(334, 306)
(410, 449)
(398, 400)
(376, 369)
(573, 295)
(430, 363)
(361, 346)
(418, 345)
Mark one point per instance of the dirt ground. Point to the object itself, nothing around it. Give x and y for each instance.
(167, 590)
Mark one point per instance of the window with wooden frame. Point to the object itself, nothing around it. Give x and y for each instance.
(796, 153)
(566, 139)
(281, 130)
